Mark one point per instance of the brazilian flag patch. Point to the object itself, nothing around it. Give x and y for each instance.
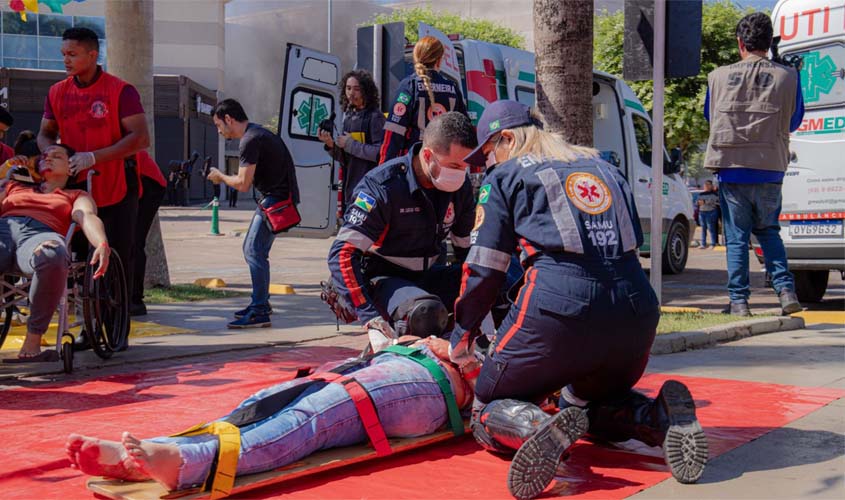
(365, 201)
(403, 98)
(484, 194)
(494, 125)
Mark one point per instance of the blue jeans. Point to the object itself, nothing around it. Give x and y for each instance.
(257, 244)
(20, 238)
(408, 401)
(709, 222)
(753, 209)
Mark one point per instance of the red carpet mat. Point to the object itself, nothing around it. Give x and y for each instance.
(37, 420)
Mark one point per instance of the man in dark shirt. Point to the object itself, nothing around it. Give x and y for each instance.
(266, 164)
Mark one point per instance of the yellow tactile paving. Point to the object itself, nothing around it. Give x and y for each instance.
(14, 340)
(281, 290)
(819, 317)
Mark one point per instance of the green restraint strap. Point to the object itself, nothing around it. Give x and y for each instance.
(455, 420)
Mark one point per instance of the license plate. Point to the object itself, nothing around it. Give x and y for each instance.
(815, 229)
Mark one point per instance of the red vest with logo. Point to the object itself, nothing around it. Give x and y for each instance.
(88, 120)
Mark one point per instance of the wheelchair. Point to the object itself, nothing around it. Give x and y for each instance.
(100, 307)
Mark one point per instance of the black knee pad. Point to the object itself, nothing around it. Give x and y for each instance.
(504, 424)
(424, 316)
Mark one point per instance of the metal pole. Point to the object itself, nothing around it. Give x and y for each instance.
(330, 27)
(377, 58)
(656, 242)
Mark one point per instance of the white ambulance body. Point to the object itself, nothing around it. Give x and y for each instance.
(814, 186)
(487, 72)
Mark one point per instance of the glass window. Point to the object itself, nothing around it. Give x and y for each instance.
(20, 46)
(101, 59)
(96, 24)
(525, 96)
(46, 64)
(50, 48)
(308, 109)
(53, 25)
(14, 25)
(11, 62)
(821, 83)
(642, 132)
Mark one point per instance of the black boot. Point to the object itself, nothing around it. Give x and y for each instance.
(540, 440)
(668, 421)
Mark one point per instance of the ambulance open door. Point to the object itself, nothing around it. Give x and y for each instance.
(309, 96)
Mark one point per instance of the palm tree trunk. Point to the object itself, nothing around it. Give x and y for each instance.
(563, 46)
(129, 31)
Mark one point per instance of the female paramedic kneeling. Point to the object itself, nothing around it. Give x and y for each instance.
(584, 319)
(413, 392)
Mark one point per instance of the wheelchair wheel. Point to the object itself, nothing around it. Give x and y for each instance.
(106, 309)
(8, 311)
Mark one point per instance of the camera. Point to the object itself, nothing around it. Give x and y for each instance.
(327, 125)
(793, 60)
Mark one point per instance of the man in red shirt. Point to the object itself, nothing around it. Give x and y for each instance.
(6, 122)
(101, 117)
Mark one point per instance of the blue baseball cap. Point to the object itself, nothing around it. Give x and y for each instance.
(498, 116)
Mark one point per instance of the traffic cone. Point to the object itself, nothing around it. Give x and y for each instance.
(215, 217)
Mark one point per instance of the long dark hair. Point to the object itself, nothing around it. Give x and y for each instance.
(368, 89)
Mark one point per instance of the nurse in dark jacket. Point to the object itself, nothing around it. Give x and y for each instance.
(421, 97)
(363, 130)
(584, 319)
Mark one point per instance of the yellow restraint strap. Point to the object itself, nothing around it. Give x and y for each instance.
(228, 449)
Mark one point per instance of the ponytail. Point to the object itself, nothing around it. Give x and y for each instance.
(427, 53)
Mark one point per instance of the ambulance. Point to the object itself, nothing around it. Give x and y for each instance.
(814, 186)
(485, 72)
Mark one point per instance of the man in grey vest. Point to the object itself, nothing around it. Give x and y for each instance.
(752, 105)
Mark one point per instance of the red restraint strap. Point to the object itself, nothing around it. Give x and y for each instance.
(365, 407)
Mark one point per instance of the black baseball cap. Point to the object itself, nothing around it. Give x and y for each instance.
(498, 116)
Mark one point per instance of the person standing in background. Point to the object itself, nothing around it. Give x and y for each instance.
(100, 116)
(363, 131)
(421, 97)
(752, 106)
(708, 212)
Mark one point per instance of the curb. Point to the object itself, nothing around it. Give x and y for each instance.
(698, 339)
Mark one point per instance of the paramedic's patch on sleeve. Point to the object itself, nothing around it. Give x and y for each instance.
(399, 109)
(365, 201)
(355, 216)
(403, 98)
(484, 194)
(479, 217)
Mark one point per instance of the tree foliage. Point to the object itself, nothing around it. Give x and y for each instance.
(685, 125)
(448, 22)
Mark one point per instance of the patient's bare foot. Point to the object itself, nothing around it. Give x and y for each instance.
(97, 457)
(157, 460)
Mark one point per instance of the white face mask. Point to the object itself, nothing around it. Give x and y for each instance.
(449, 179)
(491, 156)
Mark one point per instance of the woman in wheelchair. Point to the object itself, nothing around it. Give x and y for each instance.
(34, 217)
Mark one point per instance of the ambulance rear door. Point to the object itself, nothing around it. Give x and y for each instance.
(309, 96)
(520, 81)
